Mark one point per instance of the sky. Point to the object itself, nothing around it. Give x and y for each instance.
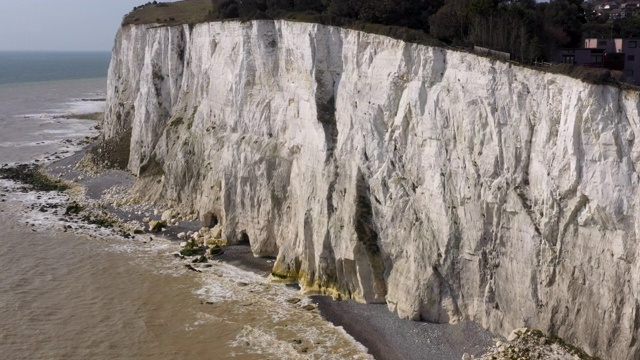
(61, 25)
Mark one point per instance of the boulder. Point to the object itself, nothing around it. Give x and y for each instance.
(73, 208)
(157, 225)
(182, 236)
(191, 251)
(202, 265)
(516, 333)
(209, 220)
(200, 260)
(190, 267)
(215, 251)
(216, 232)
(167, 215)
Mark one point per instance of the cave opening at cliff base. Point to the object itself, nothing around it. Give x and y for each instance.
(244, 239)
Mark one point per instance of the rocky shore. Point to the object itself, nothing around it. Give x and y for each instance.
(102, 198)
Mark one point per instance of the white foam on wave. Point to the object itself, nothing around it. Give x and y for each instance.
(30, 143)
(221, 283)
(54, 219)
(264, 343)
(85, 107)
(217, 292)
(9, 185)
(241, 289)
(75, 106)
(316, 345)
(43, 116)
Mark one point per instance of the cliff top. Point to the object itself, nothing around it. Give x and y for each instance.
(199, 11)
(174, 13)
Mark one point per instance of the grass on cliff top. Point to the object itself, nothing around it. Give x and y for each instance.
(198, 11)
(175, 13)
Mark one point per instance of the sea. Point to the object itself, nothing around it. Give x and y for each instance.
(70, 291)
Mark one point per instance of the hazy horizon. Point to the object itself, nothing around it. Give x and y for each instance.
(62, 25)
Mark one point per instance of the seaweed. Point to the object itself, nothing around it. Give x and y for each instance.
(33, 176)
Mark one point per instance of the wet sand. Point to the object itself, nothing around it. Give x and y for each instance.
(385, 335)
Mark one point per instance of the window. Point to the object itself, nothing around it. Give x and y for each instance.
(569, 59)
(631, 57)
(633, 44)
(596, 58)
(602, 42)
(629, 72)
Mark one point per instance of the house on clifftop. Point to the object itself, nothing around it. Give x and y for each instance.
(615, 54)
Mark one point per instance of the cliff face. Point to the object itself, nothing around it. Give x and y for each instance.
(448, 185)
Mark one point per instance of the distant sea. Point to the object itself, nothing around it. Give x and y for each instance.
(36, 66)
(35, 87)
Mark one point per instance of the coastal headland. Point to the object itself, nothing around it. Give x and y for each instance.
(446, 185)
(458, 191)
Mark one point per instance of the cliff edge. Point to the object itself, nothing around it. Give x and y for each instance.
(447, 185)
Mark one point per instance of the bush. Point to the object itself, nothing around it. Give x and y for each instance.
(596, 76)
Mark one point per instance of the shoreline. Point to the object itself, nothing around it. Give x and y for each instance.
(373, 326)
(386, 336)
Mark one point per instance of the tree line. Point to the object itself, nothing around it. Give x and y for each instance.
(524, 28)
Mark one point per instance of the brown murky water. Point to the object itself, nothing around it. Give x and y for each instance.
(83, 294)
(71, 296)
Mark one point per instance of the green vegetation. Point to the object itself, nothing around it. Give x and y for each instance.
(280, 276)
(192, 249)
(181, 12)
(100, 220)
(525, 29)
(216, 250)
(529, 31)
(33, 176)
(590, 75)
(602, 26)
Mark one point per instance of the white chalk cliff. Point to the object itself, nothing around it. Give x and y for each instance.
(447, 185)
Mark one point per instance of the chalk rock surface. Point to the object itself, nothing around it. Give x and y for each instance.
(447, 185)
